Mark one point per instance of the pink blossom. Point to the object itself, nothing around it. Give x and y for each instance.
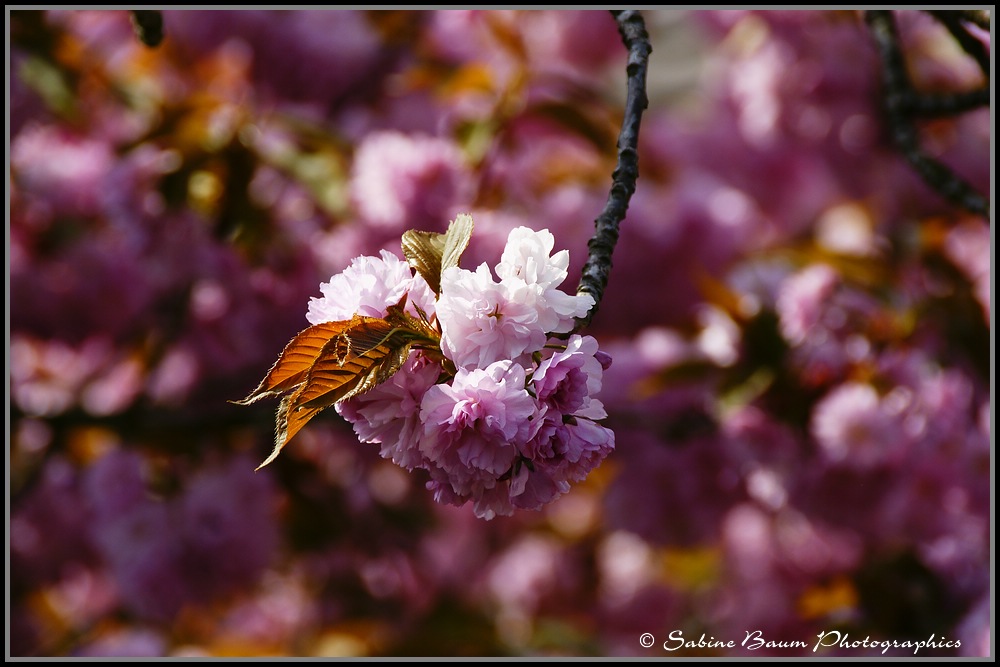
(368, 287)
(533, 489)
(557, 310)
(489, 497)
(389, 414)
(568, 380)
(567, 444)
(491, 501)
(483, 321)
(570, 447)
(527, 257)
(472, 425)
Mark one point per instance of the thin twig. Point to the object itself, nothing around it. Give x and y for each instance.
(148, 26)
(595, 273)
(954, 22)
(900, 103)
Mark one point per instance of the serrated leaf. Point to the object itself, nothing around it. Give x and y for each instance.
(351, 362)
(362, 353)
(423, 252)
(295, 360)
(287, 423)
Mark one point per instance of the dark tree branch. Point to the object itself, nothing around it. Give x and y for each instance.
(148, 26)
(595, 273)
(901, 102)
(954, 21)
(931, 106)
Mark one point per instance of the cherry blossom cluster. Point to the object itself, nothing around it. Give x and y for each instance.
(502, 413)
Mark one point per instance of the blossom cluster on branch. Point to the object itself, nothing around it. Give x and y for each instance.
(453, 371)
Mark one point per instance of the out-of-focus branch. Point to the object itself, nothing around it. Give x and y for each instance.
(901, 103)
(148, 26)
(954, 21)
(594, 277)
(931, 106)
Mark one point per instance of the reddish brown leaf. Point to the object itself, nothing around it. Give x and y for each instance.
(296, 359)
(357, 355)
(358, 359)
(288, 423)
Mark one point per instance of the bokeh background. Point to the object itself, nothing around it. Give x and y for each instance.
(800, 331)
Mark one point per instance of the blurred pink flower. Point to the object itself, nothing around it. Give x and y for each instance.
(968, 246)
(217, 535)
(802, 299)
(227, 522)
(129, 642)
(346, 56)
(853, 427)
(115, 483)
(64, 171)
(573, 42)
(50, 377)
(141, 548)
(522, 575)
(49, 526)
(683, 485)
(975, 630)
(404, 181)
